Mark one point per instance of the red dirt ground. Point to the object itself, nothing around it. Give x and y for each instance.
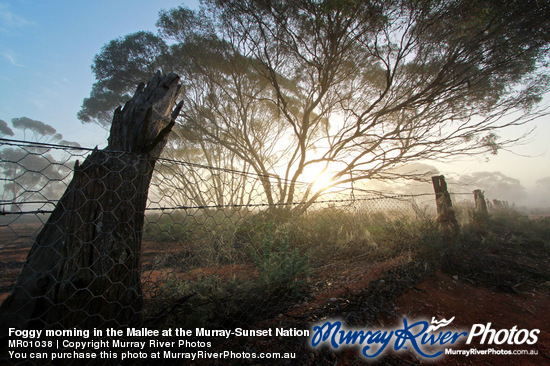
(351, 278)
(442, 296)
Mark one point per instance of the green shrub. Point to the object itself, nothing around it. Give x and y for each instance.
(228, 302)
(173, 227)
(251, 230)
(513, 222)
(208, 301)
(393, 237)
(329, 233)
(281, 269)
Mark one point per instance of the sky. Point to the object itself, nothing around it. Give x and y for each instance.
(46, 52)
(47, 49)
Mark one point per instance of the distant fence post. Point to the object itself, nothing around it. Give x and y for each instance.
(499, 205)
(480, 203)
(445, 214)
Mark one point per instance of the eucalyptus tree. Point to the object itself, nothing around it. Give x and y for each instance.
(341, 87)
(32, 171)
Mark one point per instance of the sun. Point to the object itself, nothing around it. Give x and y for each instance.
(320, 180)
(323, 178)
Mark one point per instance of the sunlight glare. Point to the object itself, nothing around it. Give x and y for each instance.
(321, 180)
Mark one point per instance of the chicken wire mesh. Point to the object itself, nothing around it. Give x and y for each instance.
(215, 247)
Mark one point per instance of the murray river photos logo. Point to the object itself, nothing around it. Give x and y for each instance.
(429, 340)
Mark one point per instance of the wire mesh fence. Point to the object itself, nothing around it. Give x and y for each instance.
(214, 247)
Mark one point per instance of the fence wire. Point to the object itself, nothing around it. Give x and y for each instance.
(218, 248)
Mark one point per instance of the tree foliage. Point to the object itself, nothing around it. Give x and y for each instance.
(122, 64)
(32, 172)
(5, 129)
(295, 89)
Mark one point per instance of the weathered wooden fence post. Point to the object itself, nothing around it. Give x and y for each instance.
(445, 213)
(83, 269)
(480, 203)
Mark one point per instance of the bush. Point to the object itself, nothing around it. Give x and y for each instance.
(229, 302)
(513, 222)
(281, 269)
(330, 233)
(208, 302)
(171, 228)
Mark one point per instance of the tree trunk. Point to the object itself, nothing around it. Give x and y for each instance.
(83, 269)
